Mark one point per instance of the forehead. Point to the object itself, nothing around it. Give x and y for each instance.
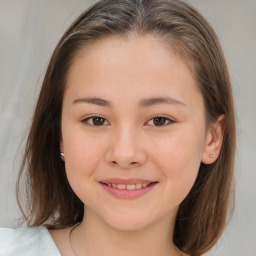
(130, 65)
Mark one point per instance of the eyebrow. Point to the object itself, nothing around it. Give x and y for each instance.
(142, 103)
(93, 100)
(160, 100)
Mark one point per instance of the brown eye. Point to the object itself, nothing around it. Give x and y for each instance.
(159, 121)
(98, 121)
(95, 121)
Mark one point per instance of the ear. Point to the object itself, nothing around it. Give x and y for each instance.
(62, 150)
(61, 144)
(214, 139)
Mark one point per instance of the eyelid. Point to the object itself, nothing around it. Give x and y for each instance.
(86, 118)
(170, 120)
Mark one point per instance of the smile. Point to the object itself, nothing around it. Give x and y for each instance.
(129, 186)
(127, 189)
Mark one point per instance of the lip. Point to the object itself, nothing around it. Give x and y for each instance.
(126, 181)
(126, 193)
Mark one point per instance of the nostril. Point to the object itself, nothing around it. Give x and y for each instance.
(128, 164)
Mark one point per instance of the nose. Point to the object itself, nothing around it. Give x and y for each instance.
(125, 149)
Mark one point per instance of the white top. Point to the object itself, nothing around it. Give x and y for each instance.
(27, 241)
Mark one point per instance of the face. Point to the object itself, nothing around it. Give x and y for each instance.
(133, 131)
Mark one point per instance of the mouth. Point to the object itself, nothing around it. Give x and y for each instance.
(135, 186)
(127, 189)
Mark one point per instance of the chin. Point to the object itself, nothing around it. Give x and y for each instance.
(128, 225)
(128, 222)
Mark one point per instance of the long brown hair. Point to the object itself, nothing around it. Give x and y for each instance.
(202, 216)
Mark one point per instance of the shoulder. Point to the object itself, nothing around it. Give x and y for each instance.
(27, 241)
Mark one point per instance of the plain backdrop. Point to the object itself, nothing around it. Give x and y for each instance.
(29, 31)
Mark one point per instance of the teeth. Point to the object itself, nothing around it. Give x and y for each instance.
(138, 186)
(129, 186)
(144, 185)
(121, 186)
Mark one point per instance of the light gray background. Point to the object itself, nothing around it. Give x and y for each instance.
(29, 31)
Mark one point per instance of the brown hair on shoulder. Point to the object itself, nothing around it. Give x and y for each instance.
(203, 215)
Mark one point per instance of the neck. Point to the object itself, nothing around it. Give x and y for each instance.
(95, 237)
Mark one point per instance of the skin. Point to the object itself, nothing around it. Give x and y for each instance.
(128, 144)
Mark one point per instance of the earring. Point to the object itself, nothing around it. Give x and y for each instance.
(211, 156)
(61, 154)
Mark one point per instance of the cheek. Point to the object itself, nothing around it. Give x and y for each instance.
(82, 155)
(179, 158)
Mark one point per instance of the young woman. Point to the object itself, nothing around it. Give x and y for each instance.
(131, 147)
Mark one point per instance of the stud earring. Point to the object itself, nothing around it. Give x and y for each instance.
(211, 156)
(61, 154)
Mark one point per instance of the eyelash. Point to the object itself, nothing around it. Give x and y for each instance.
(166, 119)
(86, 121)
